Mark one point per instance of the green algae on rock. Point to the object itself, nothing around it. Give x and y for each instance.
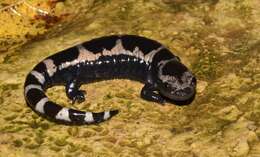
(217, 39)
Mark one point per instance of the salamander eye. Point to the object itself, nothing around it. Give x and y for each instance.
(193, 81)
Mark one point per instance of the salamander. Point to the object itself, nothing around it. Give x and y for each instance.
(109, 57)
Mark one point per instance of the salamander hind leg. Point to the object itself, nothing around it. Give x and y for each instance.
(73, 92)
(148, 93)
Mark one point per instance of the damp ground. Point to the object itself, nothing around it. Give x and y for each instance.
(218, 40)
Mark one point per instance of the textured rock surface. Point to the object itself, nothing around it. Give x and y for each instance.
(217, 39)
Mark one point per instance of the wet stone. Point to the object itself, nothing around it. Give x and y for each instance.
(201, 86)
(17, 143)
(230, 113)
(239, 149)
(217, 40)
(61, 142)
(73, 131)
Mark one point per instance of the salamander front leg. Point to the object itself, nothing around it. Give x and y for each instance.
(148, 93)
(73, 92)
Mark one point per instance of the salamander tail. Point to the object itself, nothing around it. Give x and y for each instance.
(36, 98)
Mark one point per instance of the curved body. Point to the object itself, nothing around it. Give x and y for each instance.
(127, 56)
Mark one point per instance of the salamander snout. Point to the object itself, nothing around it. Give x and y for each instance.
(185, 91)
(176, 82)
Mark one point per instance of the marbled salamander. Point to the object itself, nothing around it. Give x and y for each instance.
(126, 56)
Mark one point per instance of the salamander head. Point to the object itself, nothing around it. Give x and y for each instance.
(175, 81)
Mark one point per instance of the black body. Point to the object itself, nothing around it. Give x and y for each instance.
(127, 56)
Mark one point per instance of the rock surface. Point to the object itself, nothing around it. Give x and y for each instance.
(217, 39)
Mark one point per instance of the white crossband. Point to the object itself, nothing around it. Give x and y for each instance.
(32, 86)
(106, 115)
(40, 105)
(38, 76)
(89, 117)
(63, 115)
